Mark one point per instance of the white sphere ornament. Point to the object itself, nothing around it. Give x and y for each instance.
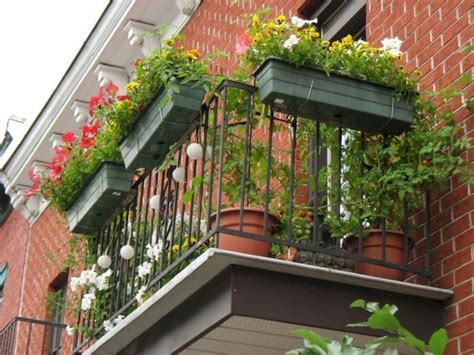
(179, 175)
(155, 202)
(104, 261)
(127, 252)
(194, 151)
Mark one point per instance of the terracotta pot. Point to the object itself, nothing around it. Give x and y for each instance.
(252, 223)
(372, 248)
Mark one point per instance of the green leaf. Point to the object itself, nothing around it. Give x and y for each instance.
(312, 337)
(196, 181)
(187, 196)
(438, 342)
(383, 320)
(360, 303)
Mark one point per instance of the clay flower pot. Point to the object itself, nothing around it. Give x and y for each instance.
(372, 248)
(252, 223)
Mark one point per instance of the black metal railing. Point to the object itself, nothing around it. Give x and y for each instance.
(31, 336)
(252, 157)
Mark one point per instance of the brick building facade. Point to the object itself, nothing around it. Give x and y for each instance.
(433, 32)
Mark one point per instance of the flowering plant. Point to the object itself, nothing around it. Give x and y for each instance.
(112, 117)
(299, 42)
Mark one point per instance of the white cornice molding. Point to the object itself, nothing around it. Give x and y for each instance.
(55, 140)
(107, 74)
(137, 36)
(80, 111)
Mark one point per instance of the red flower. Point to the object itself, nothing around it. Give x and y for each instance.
(87, 142)
(122, 97)
(33, 177)
(94, 101)
(243, 43)
(60, 154)
(111, 89)
(90, 130)
(54, 171)
(29, 193)
(69, 137)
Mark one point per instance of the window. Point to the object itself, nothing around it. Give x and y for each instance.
(5, 205)
(3, 278)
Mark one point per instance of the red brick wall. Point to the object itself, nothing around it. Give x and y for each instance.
(47, 250)
(36, 253)
(13, 236)
(432, 33)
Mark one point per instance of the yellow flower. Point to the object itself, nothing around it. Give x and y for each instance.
(193, 54)
(280, 20)
(269, 26)
(258, 37)
(164, 54)
(132, 86)
(347, 40)
(169, 42)
(175, 248)
(255, 21)
(313, 34)
(119, 105)
(325, 43)
(417, 73)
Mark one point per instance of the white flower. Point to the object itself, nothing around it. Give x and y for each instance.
(108, 325)
(118, 319)
(154, 251)
(360, 42)
(70, 330)
(86, 302)
(141, 295)
(88, 277)
(392, 45)
(102, 281)
(74, 283)
(290, 42)
(144, 269)
(299, 22)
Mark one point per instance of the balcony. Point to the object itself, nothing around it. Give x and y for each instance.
(31, 336)
(207, 283)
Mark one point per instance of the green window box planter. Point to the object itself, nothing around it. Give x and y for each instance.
(335, 99)
(163, 123)
(100, 198)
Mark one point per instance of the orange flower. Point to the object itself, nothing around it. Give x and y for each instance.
(193, 54)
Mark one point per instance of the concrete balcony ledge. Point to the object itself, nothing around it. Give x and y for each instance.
(225, 284)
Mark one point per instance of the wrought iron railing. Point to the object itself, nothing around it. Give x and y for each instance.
(31, 336)
(252, 157)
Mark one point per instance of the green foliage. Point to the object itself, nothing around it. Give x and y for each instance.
(381, 318)
(114, 116)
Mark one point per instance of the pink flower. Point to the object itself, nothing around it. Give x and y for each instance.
(243, 43)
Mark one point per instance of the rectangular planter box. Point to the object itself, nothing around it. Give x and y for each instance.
(335, 99)
(100, 198)
(162, 124)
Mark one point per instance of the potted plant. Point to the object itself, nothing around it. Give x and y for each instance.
(397, 171)
(86, 178)
(167, 92)
(346, 82)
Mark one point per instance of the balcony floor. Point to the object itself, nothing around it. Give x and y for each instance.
(231, 303)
